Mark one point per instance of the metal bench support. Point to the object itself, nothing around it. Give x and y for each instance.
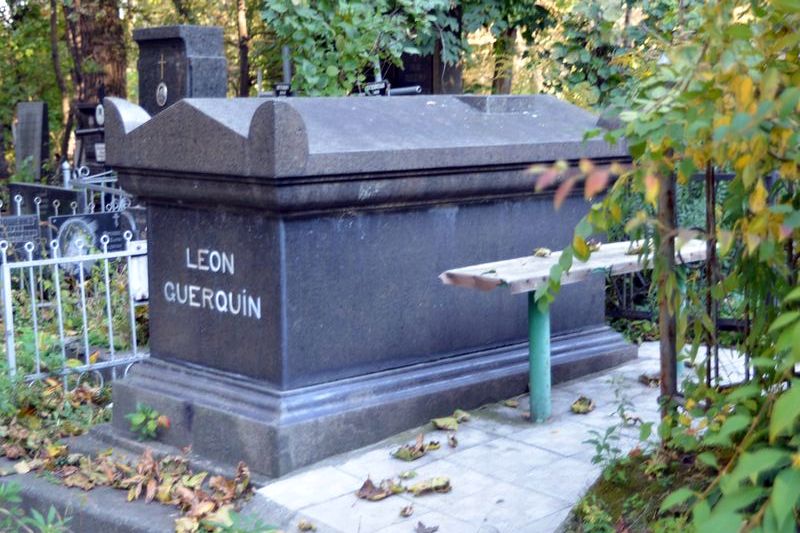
(539, 355)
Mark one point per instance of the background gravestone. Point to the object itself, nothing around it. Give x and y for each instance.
(429, 72)
(179, 62)
(32, 137)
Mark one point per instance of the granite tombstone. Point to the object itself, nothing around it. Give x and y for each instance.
(18, 230)
(179, 62)
(295, 245)
(428, 72)
(32, 138)
(44, 200)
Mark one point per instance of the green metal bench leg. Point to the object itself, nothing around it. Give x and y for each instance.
(539, 355)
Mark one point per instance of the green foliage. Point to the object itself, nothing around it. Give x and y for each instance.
(336, 45)
(594, 50)
(14, 519)
(146, 422)
(728, 97)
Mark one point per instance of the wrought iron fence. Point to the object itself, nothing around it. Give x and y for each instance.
(76, 315)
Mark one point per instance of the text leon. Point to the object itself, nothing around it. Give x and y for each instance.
(233, 302)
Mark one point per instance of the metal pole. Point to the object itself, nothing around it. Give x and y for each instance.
(66, 173)
(539, 357)
(286, 63)
(8, 312)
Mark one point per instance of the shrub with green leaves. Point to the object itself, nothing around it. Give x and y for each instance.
(335, 44)
(146, 422)
(729, 98)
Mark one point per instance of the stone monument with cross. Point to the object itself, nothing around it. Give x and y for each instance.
(178, 62)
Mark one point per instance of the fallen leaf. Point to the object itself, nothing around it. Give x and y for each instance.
(461, 415)
(369, 491)
(79, 480)
(594, 245)
(305, 525)
(411, 452)
(13, 451)
(408, 474)
(150, 492)
(436, 484)
(582, 405)
(422, 528)
(542, 252)
(407, 511)
(22, 467)
(447, 423)
(220, 518)
(452, 441)
(185, 524)
(651, 380)
(511, 403)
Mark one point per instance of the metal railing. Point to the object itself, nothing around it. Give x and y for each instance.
(67, 316)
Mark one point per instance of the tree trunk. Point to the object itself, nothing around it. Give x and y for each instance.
(504, 51)
(244, 48)
(66, 108)
(667, 302)
(96, 39)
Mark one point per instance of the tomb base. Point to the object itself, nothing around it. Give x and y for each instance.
(226, 417)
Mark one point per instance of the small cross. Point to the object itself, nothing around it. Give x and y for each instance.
(162, 62)
(116, 220)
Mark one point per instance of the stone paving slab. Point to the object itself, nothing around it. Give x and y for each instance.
(507, 475)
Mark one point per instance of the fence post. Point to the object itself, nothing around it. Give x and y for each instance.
(8, 311)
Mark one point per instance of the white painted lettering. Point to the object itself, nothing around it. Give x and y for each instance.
(189, 263)
(192, 293)
(221, 301)
(201, 259)
(169, 291)
(227, 263)
(207, 295)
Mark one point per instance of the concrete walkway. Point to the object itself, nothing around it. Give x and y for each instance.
(507, 475)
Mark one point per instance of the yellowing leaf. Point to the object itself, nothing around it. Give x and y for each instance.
(725, 239)
(447, 423)
(581, 248)
(652, 187)
(743, 91)
(437, 484)
(758, 198)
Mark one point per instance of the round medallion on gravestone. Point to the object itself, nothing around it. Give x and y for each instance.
(99, 115)
(77, 237)
(161, 94)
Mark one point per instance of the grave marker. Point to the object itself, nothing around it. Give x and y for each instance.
(179, 62)
(32, 138)
(294, 248)
(53, 200)
(18, 230)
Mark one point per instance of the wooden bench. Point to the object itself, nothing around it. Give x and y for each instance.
(526, 274)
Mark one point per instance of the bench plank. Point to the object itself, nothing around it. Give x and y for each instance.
(526, 274)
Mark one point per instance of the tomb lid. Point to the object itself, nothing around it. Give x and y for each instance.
(309, 136)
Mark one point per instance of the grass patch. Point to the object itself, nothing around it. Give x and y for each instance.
(627, 496)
